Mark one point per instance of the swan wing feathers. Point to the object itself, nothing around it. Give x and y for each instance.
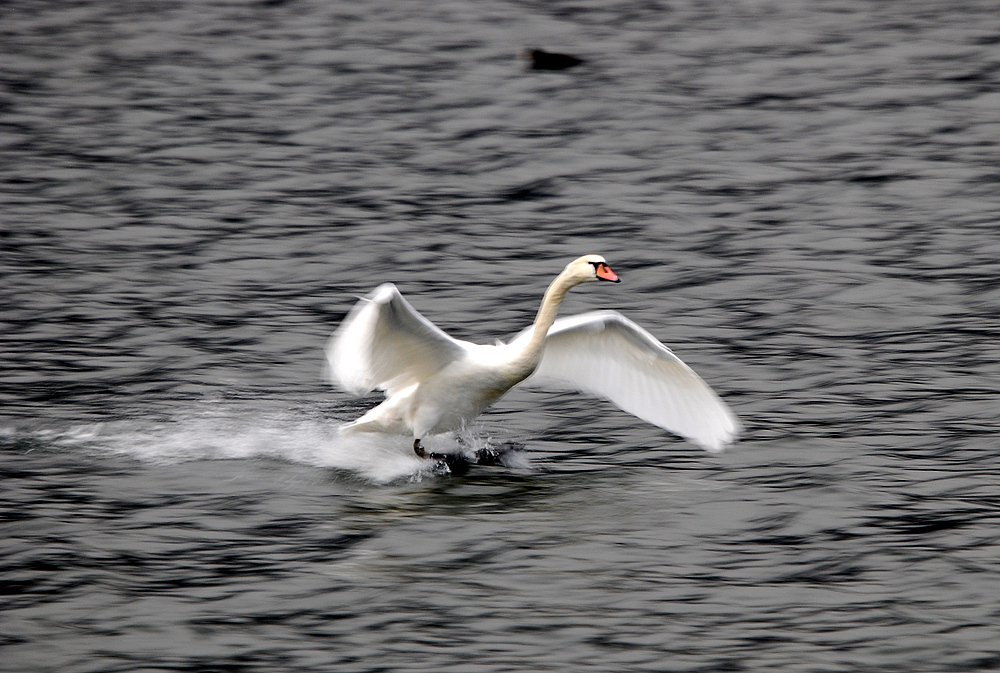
(608, 355)
(384, 343)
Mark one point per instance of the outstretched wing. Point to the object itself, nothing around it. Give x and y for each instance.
(606, 354)
(384, 343)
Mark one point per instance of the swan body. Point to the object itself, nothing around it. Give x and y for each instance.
(434, 383)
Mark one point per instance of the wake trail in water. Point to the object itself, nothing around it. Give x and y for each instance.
(233, 434)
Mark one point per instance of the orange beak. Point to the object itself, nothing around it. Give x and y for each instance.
(604, 272)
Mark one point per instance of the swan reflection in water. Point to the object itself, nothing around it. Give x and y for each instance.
(434, 383)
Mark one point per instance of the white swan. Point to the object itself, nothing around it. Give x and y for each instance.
(434, 383)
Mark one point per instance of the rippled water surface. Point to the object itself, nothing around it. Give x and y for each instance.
(801, 197)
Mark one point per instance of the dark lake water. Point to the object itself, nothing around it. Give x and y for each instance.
(802, 199)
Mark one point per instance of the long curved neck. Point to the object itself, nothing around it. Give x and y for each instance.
(531, 353)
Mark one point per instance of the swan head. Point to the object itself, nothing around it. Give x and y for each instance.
(590, 268)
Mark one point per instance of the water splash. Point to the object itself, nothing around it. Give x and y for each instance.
(230, 433)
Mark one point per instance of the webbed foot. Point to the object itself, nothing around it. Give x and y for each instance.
(419, 450)
(456, 464)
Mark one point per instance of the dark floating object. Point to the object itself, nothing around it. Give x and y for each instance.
(548, 60)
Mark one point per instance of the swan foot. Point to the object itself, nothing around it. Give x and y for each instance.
(489, 457)
(454, 464)
(421, 452)
(496, 455)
